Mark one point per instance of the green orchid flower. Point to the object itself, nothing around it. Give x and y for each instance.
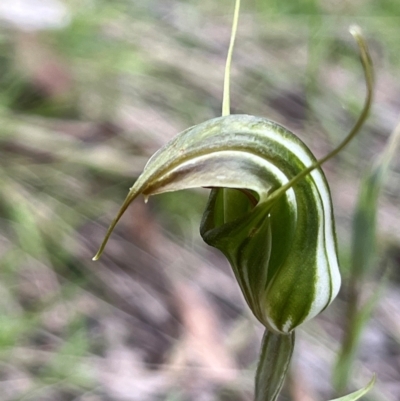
(269, 212)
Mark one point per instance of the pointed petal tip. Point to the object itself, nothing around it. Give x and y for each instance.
(98, 254)
(355, 30)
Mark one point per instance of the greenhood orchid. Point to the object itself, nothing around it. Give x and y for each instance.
(269, 212)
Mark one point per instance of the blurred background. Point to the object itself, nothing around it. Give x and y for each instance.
(89, 89)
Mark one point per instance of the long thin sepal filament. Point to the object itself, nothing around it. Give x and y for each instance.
(226, 102)
(369, 81)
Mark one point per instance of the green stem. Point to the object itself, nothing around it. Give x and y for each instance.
(276, 353)
(226, 106)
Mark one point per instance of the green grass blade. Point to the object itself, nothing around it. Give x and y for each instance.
(357, 394)
(363, 259)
